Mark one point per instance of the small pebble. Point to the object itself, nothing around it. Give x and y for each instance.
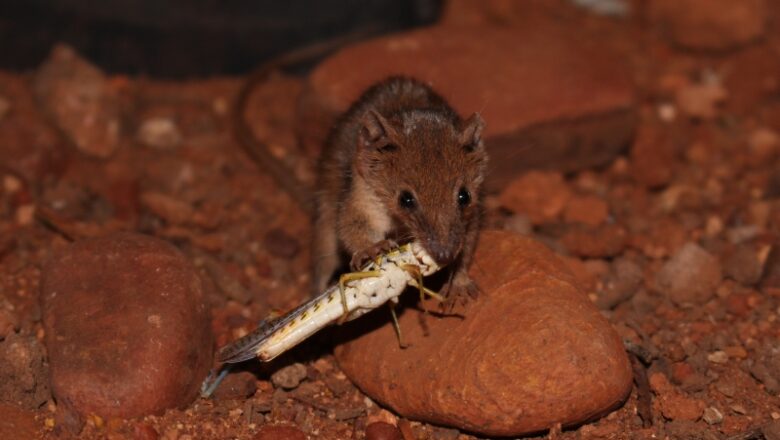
(25, 215)
(9, 322)
(589, 210)
(667, 112)
(690, 276)
(763, 141)
(541, 196)
(290, 376)
(736, 352)
(160, 133)
(718, 357)
(712, 416)
(236, 386)
(743, 265)
(382, 431)
(726, 388)
(701, 101)
(11, 184)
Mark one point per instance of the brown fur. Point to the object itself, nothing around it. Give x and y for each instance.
(399, 136)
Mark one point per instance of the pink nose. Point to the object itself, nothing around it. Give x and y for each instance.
(443, 255)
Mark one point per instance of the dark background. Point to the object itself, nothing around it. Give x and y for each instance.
(190, 38)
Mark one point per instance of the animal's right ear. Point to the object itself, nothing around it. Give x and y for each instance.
(471, 133)
(375, 138)
(376, 132)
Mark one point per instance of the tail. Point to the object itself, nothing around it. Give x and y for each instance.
(258, 150)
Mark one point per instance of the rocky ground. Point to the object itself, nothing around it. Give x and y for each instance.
(642, 148)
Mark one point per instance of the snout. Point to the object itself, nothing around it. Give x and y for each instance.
(443, 254)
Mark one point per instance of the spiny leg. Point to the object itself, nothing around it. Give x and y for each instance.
(347, 277)
(396, 325)
(414, 271)
(212, 381)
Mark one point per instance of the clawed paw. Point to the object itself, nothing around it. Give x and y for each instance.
(363, 257)
(460, 290)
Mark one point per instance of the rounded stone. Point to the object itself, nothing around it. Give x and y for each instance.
(383, 431)
(577, 106)
(530, 352)
(127, 326)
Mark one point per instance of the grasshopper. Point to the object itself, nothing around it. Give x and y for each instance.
(355, 294)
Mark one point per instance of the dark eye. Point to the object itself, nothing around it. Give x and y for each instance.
(388, 148)
(406, 200)
(464, 197)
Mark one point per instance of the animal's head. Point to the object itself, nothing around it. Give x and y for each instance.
(426, 167)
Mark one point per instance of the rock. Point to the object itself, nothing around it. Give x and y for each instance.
(383, 431)
(80, 100)
(771, 277)
(764, 143)
(653, 156)
(24, 376)
(159, 133)
(17, 423)
(279, 432)
(690, 276)
(711, 24)
(684, 375)
(712, 416)
(766, 369)
(771, 430)
(525, 348)
(238, 385)
(599, 242)
(127, 326)
(624, 280)
(290, 376)
(170, 209)
(701, 101)
(674, 405)
(539, 195)
(551, 99)
(144, 431)
(588, 210)
(743, 265)
(31, 149)
(9, 323)
(718, 357)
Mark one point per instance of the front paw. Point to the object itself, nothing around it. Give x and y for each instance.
(459, 290)
(363, 257)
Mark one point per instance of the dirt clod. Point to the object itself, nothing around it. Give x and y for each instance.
(690, 276)
(289, 377)
(126, 313)
(382, 431)
(24, 375)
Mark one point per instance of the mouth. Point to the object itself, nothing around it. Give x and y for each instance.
(443, 255)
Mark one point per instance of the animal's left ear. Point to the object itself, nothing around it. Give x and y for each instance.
(471, 133)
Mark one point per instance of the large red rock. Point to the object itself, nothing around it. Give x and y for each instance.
(29, 149)
(530, 352)
(127, 326)
(80, 100)
(711, 24)
(17, 423)
(551, 98)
